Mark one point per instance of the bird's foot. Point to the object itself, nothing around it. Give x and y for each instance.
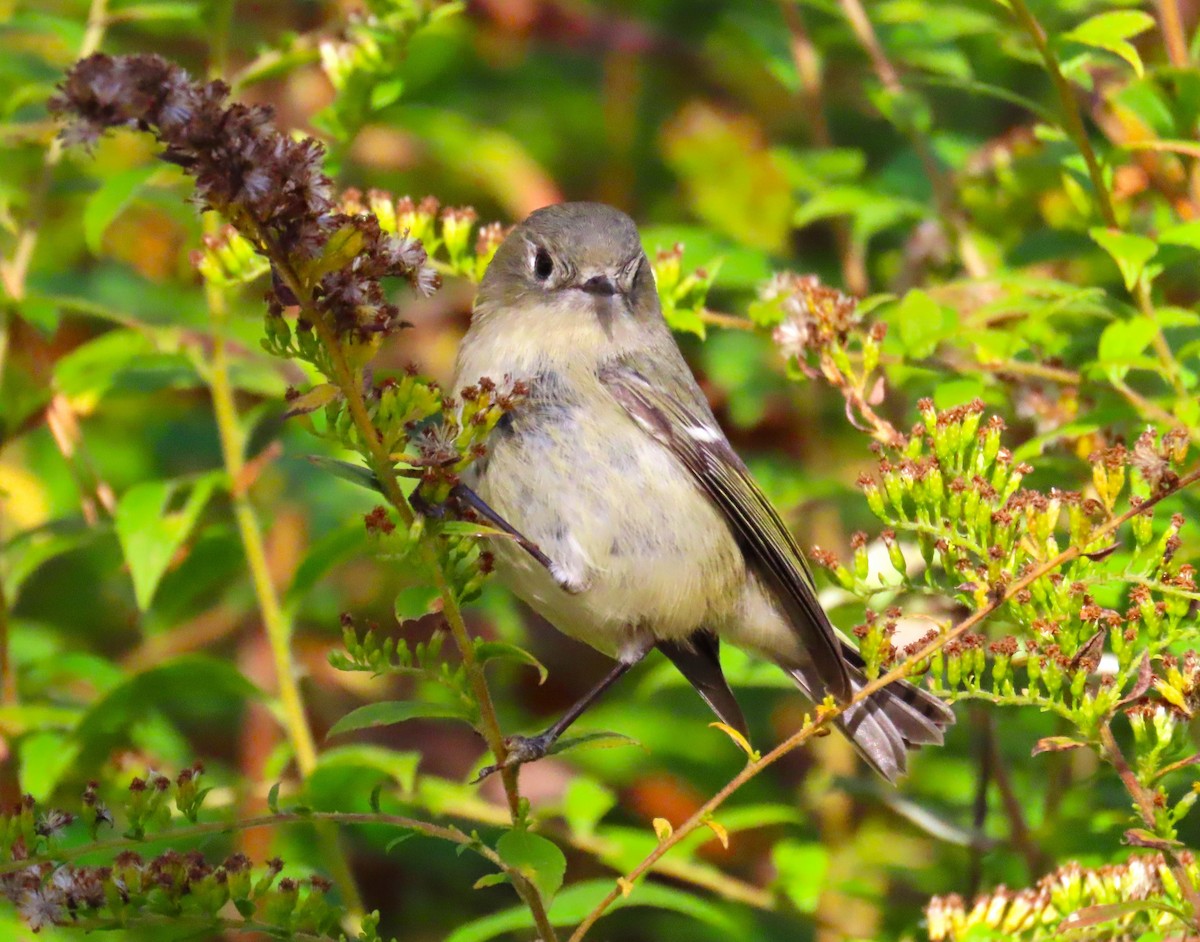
(427, 509)
(521, 749)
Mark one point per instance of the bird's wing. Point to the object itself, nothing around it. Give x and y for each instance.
(698, 658)
(692, 435)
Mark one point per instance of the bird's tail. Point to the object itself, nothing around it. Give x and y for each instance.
(891, 721)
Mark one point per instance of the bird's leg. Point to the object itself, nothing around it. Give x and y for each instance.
(522, 749)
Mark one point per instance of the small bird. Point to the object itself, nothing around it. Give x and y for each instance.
(638, 525)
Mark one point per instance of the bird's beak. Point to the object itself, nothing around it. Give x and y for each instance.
(600, 285)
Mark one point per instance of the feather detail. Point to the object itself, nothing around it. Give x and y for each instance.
(720, 473)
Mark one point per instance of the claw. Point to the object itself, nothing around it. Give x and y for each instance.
(521, 749)
(425, 508)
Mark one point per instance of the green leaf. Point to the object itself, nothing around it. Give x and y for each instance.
(414, 602)
(200, 690)
(585, 802)
(1131, 252)
(1185, 233)
(341, 248)
(577, 900)
(150, 532)
(1111, 31)
(316, 398)
(396, 711)
(802, 869)
(185, 11)
(273, 799)
(322, 556)
(29, 550)
(45, 756)
(490, 650)
(601, 740)
(354, 473)
(399, 767)
(106, 203)
(537, 859)
(922, 323)
(1123, 341)
(490, 879)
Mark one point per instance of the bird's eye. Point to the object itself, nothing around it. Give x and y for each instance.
(543, 265)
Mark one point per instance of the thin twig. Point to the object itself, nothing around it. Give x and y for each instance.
(447, 833)
(1070, 107)
(349, 382)
(825, 714)
(1171, 23)
(1019, 833)
(1166, 356)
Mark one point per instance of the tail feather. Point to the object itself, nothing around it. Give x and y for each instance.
(889, 722)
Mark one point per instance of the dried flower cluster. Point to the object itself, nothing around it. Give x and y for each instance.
(1070, 897)
(271, 187)
(180, 886)
(810, 315)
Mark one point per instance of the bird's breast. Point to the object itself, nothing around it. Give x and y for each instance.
(617, 513)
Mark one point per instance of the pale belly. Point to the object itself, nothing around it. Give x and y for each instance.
(624, 524)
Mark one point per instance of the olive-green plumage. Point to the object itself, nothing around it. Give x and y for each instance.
(616, 468)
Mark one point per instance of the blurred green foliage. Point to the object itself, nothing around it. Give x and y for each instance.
(1010, 188)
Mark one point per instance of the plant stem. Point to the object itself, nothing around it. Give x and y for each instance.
(1144, 802)
(1070, 106)
(825, 714)
(68, 854)
(1171, 25)
(276, 624)
(350, 383)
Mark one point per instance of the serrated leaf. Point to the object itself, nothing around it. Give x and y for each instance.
(491, 650)
(150, 533)
(662, 828)
(390, 712)
(1131, 252)
(539, 860)
(1111, 31)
